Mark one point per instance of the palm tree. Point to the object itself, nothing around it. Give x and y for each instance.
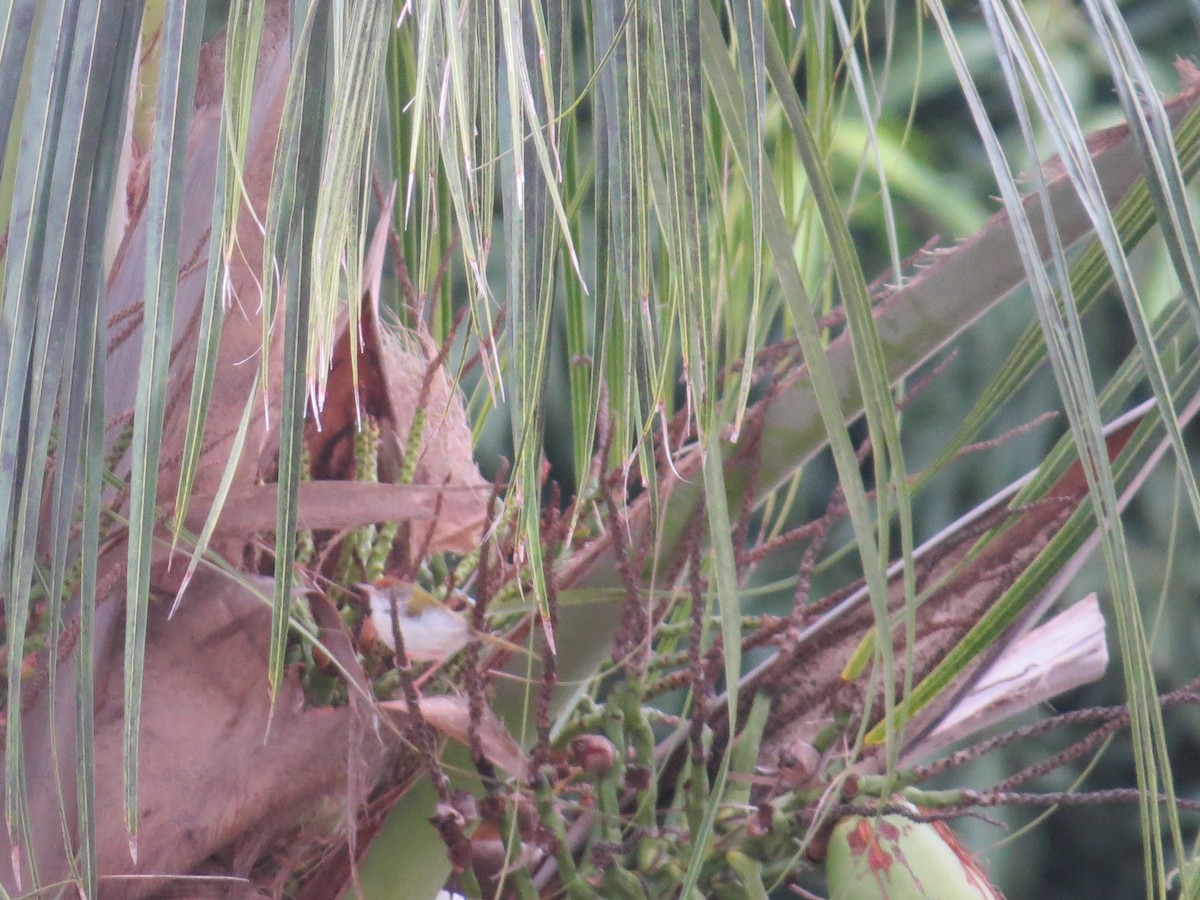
(271, 271)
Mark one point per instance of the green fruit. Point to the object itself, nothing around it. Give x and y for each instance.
(894, 858)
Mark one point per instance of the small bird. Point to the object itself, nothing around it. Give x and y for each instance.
(431, 630)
